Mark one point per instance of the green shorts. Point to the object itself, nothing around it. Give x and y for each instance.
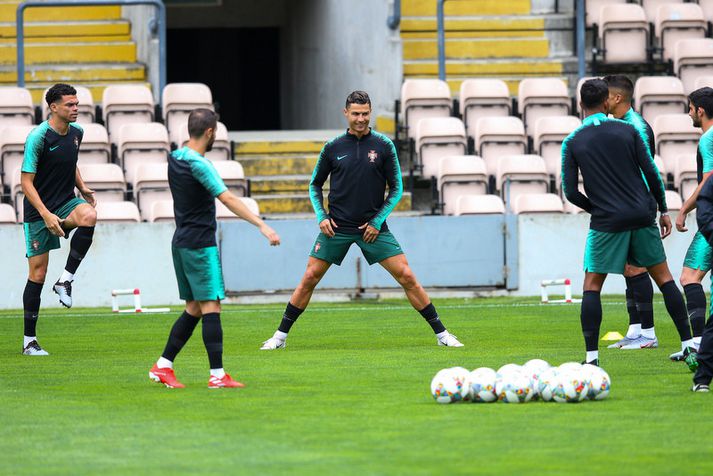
(38, 239)
(610, 252)
(333, 250)
(699, 253)
(198, 272)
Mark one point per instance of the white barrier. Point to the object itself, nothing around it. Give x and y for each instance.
(136, 292)
(544, 284)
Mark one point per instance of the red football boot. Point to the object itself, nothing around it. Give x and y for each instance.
(225, 382)
(165, 376)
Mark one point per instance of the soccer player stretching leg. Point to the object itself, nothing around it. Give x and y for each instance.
(611, 156)
(51, 210)
(195, 184)
(361, 163)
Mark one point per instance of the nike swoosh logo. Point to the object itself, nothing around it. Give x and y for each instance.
(340, 158)
(53, 148)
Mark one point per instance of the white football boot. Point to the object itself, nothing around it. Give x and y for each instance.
(449, 340)
(273, 343)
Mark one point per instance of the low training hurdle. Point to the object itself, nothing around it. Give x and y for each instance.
(557, 282)
(137, 302)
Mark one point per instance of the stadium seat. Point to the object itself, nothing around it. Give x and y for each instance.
(460, 175)
(499, 136)
(16, 194)
(12, 147)
(519, 174)
(677, 21)
(702, 82)
(675, 135)
(693, 58)
(233, 176)
(95, 148)
(548, 137)
(424, 98)
(479, 205)
(673, 201)
(537, 203)
(569, 207)
(656, 95)
(483, 98)
(438, 137)
(685, 175)
(7, 214)
(223, 213)
(141, 143)
(117, 212)
(107, 181)
(179, 99)
(651, 8)
(87, 111)
(161, 211)
(126, 104)
(707, 7)
(221, 146)
(658, 161)
(623, 34)
(150, 185)
(16, 108)
(541, 97)
(594, 8)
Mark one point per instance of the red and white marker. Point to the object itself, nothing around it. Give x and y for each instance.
(136, 292)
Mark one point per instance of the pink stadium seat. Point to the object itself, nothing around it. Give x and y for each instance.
(685, 176)
(107, 181)
(179, 99)
(677, 21)
(658, 161)
(12, 147)
(519, 174)
(673, 201)
(161, 211)
(16, 194)
(550, 132)
(221, 146)
(233, 176)
(16, 107)
(7, 214)
(95, 148)
(479, 205)
(151, 185)
(651, 8)
(424, 98)
(541, 97)
(141, 143)
(460, 175)
(656, 95)
(223, 213)
(693, 58)
(537, 203)
(117, 212)
(594, 8)
(499, 136)
(675, 135)
(126, 104)
(623, 34)
(86, 105)
(483, 98)
(438, 137)
(707, 7)
(703, 81)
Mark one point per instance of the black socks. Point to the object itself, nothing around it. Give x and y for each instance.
(643, 294)
(81, 241)
(696, 304)
(677, 309)
(431, 315)
(289, 317)
(213, 339)
(31, 305)
(180, 333)
(591, 319)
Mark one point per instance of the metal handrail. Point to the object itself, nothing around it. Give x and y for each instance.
(581, 38)
(395, 18)
(159, 24)
(441, 40)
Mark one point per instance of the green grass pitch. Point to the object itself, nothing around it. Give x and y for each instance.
(349, 395)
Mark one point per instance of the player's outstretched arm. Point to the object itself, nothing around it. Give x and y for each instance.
(87, 193)
(52, 221)
(236, 206)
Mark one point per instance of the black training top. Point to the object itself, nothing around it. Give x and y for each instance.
(359, 171)
(634, 118)
(53, 159)
(194, 185)
(612, 155)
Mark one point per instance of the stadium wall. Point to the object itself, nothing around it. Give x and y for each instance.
(444, 251)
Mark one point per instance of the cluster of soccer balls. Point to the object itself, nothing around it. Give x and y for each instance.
(569, 383)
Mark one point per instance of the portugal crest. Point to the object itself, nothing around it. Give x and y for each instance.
(317, 247)
(372, 156)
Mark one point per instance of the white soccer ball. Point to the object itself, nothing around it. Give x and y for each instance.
(448, 386)
(462, 374)
(573, 366)
(508, 368)
(481, 385)
(512, 386)
(533, 368)
(572, 387)
(599, 382)
(547, 381)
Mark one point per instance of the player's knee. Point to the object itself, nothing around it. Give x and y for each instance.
(89, 217)
(37, 274)
(311, 278)
(407, 279)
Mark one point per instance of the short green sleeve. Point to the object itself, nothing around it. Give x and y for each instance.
(705, 146)
(33, 149)
(205, 173)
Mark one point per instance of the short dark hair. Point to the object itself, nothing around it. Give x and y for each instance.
(358, 97)
(199, 120)
(593, 93)
(703, 98)
(619, 81)
(56, 92)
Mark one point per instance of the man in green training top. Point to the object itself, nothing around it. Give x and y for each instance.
(361, 164)
(49, 176)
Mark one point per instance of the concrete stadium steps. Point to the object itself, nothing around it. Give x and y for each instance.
(300, 203)
(97, 72)
(277, 164)
(8, 9)
(281, 184)
(79, 30)
(413, 8)
(474, 27)
(71, 52)
(471, 48)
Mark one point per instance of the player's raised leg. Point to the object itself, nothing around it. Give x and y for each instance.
(399, 268)
(31, 303)
(83, 218)
(316, 269)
